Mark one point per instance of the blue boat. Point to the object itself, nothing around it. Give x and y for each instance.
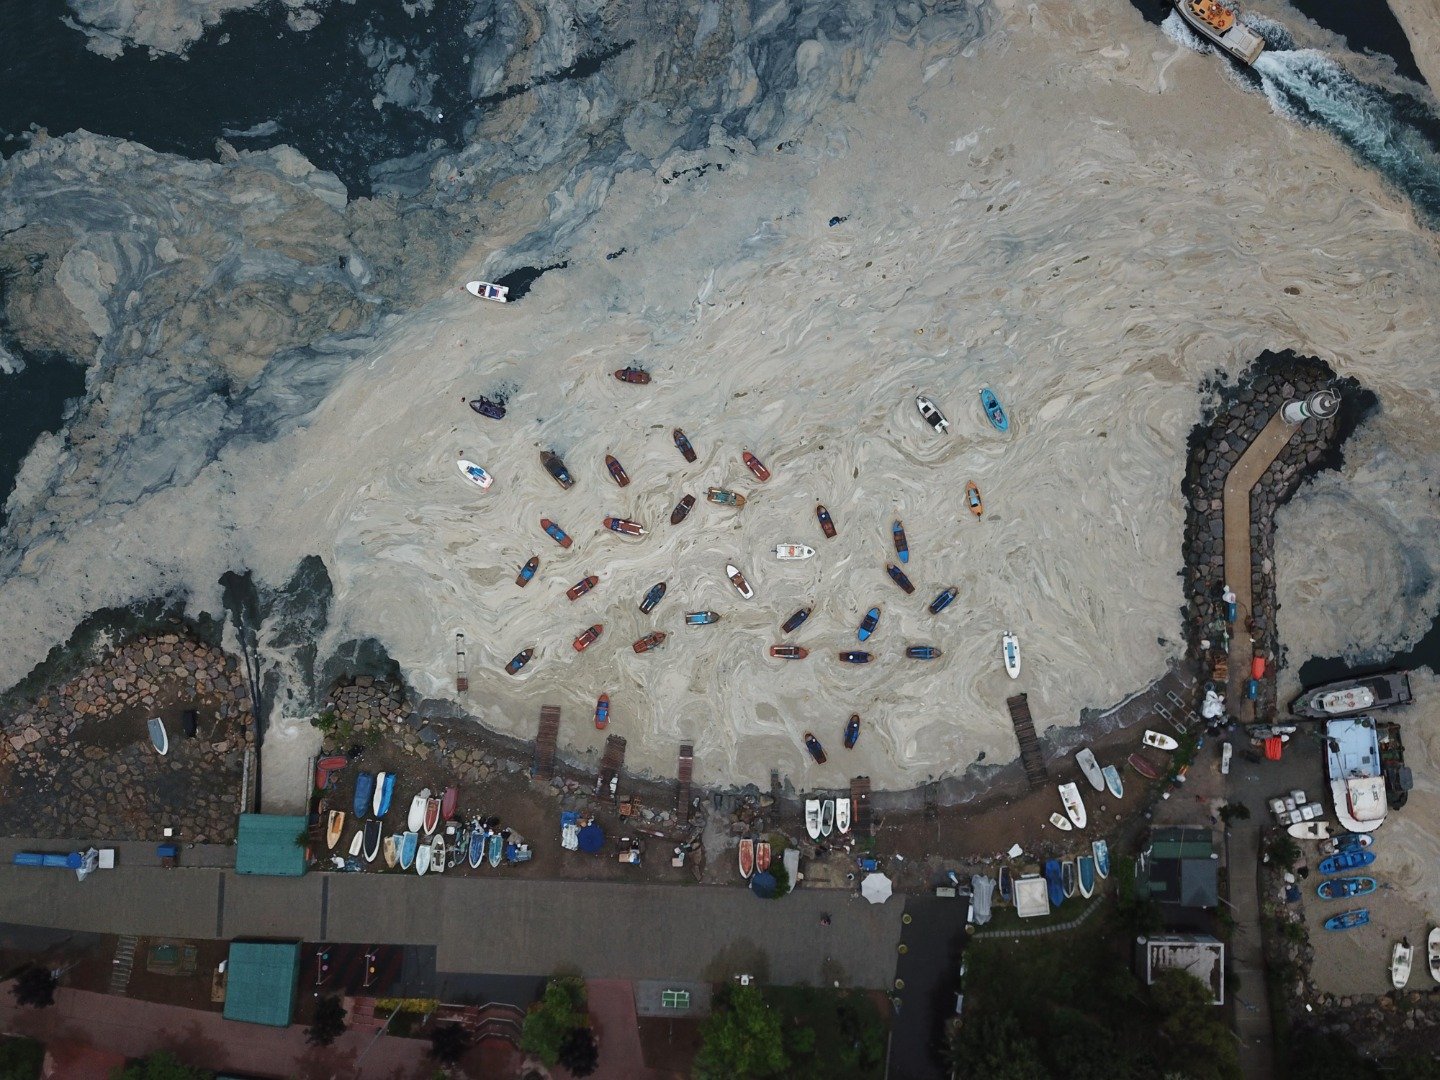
(868, 624)
(941, 602)
(1101, 851)
(1055, 882)
(852, 731)
(409, 844)
(477, 846)
(1348, 920)
(1346, 860)
(898, 576)
(994, 411)
(657, 591)
(364, 789)
(1085, 874)
(387, 792)
(902, 546)
(496, 850)
(701, 618)
(1342, 888)
(922, 652)
(485, 407)
(856, 657)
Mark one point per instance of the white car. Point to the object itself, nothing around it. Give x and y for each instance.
(933, 416)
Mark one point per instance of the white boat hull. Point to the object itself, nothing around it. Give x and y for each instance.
(1113, 781)
(788, 552)
(1160, 741)
(1310, 830)
(475, 474)
(1010, 651)
(415, 822)
(842, 816)
(1400, 961)
(742, 586)
(1061, 822)
(486, 290)
(1091, 768)
(1433, 951)
(1074, 805)
(812, 818)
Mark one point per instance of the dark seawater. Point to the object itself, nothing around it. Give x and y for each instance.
(1424, 653)
(32, 403)
(1368, 27)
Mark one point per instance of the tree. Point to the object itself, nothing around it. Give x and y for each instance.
(741, 1039)
(448, 1043)
(35, 987)
(1232, 812)
(329, 1022)
(579, 1053)
(161, 1065)
(995, 1047)
(560, 1010)
(21, 1059)
(1200, 1041)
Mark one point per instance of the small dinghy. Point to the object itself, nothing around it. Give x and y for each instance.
(624, 526)
(1007, 884)
(755, 465)
(1159, 740)
(1400, 959)
(476, 854)
(1309, 830)
(1101, 850)
(1143, 766)
(931, 415)
(994, 411)
(1067, 877)
(602, 712)
(633, 375)
(827, 817)
(788, 552)
(357, 842)
(701, 618)
(827, 524)
(1113, 781)
(581, 587)
(1432, 952)
(789, 652)
(485, 407)
(556, 533)
(416, 820)
(738, 580)
(364, 790)
(432, 814)
(1010, 650)
(653, 597)
(1074, 806)
(842, 815)
(616, 470)
(973, 500)
(812, 818)
(527, 571)
(519, 660)
(855, 656)
(159, 737)
(747, 857)
(423, 854)
(816, 750)
(725, 497)
(487, 290)
(1343, 888)
(409, 845)
(683, 444)
(1346, 860)
(475, 474)
(438, 853)
(1085, 875)
(922, 652)
(1346, 842)
(852, 731)
(588, 638)
(1091, 768)
(898, 576)
(374, 834)
(762, 855)
(334, 826)
(682, 510)
(391, 851)
(790, 625)
(868, 624)
(1061, 822)
(494, 849)
(944, 600)
(902, 545)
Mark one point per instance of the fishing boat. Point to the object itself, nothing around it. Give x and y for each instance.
(1346, 842)
(1074, 805)
(1218, 23)
(701, 618)
(932, 416)
(602, 712)
(475, 474)
(1091, 768)
(1061, 822)
(683, 444)
(1054, 882)
(384, 793)
(1067, 877)
(973, 500)
(588, 638)
(812, 818)
(725, 497)
(902, 545)
(1010, 650)
(994, 411)
(409, 845)
(1432, 952)
(432, 814)
(438, 853)
(747, 857)
(364, 790)
(485, 407)
(856, 657)
(652, 640)
(334, 826)
(555, 466)
(755, 465)
(1113, 781)
(373, 834)
(634, 375)
(159, 737)
(738, 580)
(1101, 851)
(762, 855)
(788, 652)
(898, 576)
(816, 750)
(581, 587)
(1085, 875)
(1143, 766)
(842, 815)
(415, 821)
(1309, 830)
(852, 731)
(423, 855)
(390, 849)
(682, 510)
(1006, 886)
(616, 470)
(786, 552)
(1400, 958)
(527, 571)
(1342, 888)
(494, 849)
(827, 524)
(625, 526)
(944, 600)
(556, 533)
(922, 652)
(519, 660)
(488, 290)
(1346, 860)
(475, 853)
(1159, 740)
(652, 597)
(827, 817)
(1355, 695)
(868, 624)
(790, 625)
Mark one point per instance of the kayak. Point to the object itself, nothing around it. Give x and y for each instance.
(944, 600)
(682, 509)
(624, 525)
(852, 731)
(683, 444)
(519, 660)
(868, 624)
(652, 597)
(789, 652)
(585, 640)
(902, 546)
(617, 471)
(527, 571)
(816, 750)
(790, 625)
(898, 576)
(827, 525)
(485, 407)
(602, 712)
(475, 474)
(635, 375)
(738, 580)
(701, 618)
(555, 466)
(556, 533)
(755, 465)
(972, 499)
(994, 411)
(581, 587)
(725, 497)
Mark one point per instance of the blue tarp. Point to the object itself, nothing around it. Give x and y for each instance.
(764, 885)
(591, 839)
(1055, 880)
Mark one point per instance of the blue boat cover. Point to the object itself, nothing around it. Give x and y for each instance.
(1055, 881)
(591, 839)
(764, 885)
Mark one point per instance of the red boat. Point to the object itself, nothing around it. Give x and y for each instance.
(826, 525)
(581, 587)
(756, 466)
(649, 641)
(448, 801)
(519, 660)
(556, 533)
(634, 375)
(527, 571)
(585, 640)
(747, 857)
(762, 855)
(327, 765)
(432, 814)
(683, 445)
(624, 525)
(1144, 767)
(602, 712)
(682, 509)
(617, 471)
(789, 652)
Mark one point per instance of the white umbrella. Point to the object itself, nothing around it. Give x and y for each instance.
(875, 888)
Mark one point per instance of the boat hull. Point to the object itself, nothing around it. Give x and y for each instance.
(683, 445)
(817, 751)
(1239, 41)
(827, 523)
(682, 510)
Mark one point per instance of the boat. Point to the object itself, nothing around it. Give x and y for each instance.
(556, 533)
(456, 846)
(922, 652)
(1355, 695)
(1006, 886)
(793, 551)
(856, 657)
(1348, 920)
(555, 466)
(409, 845)
(1054, 884)
(373, 834)
(416, 818)
(682, 510)
(827, 817)
(1113, 781)
(747, 857)
(588, 638)
(1432, 952)
(159, 737)
(1101, 851)
(1342, 888)
(827, 524)
(1218, 23)
(475, 849)
(326, 766)
(527, 571)
(625, 526)
(1400, 958)
(438, 853)
(519, 660)
(868, 624)
(488, 290)
(1309, 830)
(636, 376)
(617, 471)
(485, 407)
(1074, 805)
(762, 855)
(1061, 822)
(842, 815)
(652, 597)
(788, 652)
(790, 625)
(364, 791)
(944, 600)
(475, 474)
(738, 580)
(334, 826)
(902, 545)
(1067, 877)
(812, 818)
(852, 731)
(973, 500)
(652, 640)
(816, 750)
(494, 849)
(432, 814)
(384, 793)
(448, 801)
(1159, 740)
(683, 444)
(423, 854)
(390, 849)
(701, 618)
(1226, 752)
(581, 587)
(932, 416)
(1346, 842)
(725, 497)
(755, 465)
(1143, 766)
(1010, 650)
(1355, 768)
(1346, 860)
(1091, 768)
(1085, 875)
(994, 411)
(898, 576)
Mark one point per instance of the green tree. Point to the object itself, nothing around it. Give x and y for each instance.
(560, 1010)
(579, 1053)
(994, 1047)
(329, 1022)
(161, 1065)
(21, 1059)
(742, 1039)
(448, 1043)
(1231, 812)
(1200, 1042)
(35, 987)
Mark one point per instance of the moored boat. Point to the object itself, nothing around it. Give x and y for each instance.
(842, 815)
(868, 624)
(1159, 740)
(682, 510)
(1091, 768)
(159, 737)
(485, 407)
(922, 652)
(738, 580)
(602, 712)
(994, 411)
(652, 597)
(1342, 888)
(755, 465)
(898, 576)
(432, 814)
(1113, 781)
(519, 660)
(852, 731)
(1400, 960)
(683, 444)
(816, 750)
(789, 652)
(725, 497)
(701, 618)
(827, 817)
(827, 523)
(944, 600)
(555, 466)
(1346, 860)
(1067, 877)
(556, 533)
(855, 656)
(1061, 822)
(812, 818)
(527, 571)
(793, 551)
(409, 845)
(902, 545)
(790, 625)
(1010, 651)
(581, 587)
(932, 416)
(634, 375)
(374, 833)
(1143, 766)
(1218, 24)
(334, 827)
(488, 290)
(652, 640)
(625, 526)
(1085, 875)
(585, 640)
(475, 474)
(1101, 851)
(1356, 695)
(973, 500)
(616, 470)
(747, 857)
(1074, 805)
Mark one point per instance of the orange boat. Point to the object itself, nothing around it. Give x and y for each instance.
(585, 640)
(617, 471)
(581, 587)
(683, 444)
(827, 526)
(556, 533)
(762, 855)
(747, 857)
(756, 466)
(635, 375)
(624, 525)
(649, 641)
(602, 712)
(972, 499)
(789, 652)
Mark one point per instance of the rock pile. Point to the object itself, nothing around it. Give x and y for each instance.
(368, 703)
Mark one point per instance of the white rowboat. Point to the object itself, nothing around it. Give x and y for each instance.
(1061, 822)
(793, 551)
(1074, 807)
(1091, 768)
(1160, 741)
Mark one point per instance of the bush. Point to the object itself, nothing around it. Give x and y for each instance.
(21, 1059)
(552, 1019)
(329, 1022)
(161, 1065)
(34, 987)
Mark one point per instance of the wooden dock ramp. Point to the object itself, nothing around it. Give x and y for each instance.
(1031, 756)
(861, 820)
(611, 763)
(685, 772)
(544, 764)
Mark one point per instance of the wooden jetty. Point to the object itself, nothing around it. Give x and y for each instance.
(544, 765)
(860, 816)
(1031, 755)
(611, 763)
(682, 791)
(462, 676)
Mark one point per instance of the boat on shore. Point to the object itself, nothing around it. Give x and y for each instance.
(475, 848)
(588, 638)
(1345, 860)
(816, 750)
(581, 587)
(1061, 822)
(852, 731)
(682, 443)
(898, 576)
(652, 597)
(602, 712)
(475, 474)
(527, 571)
(494, 849)
(682, 510)
(616, 470)
(1349, 696)
(787, 552)
(1006, 883)
(488, 290)
(1346, 842)
(438, 853)
(334, 827)
(922, 652)
(747, 857)
(556, 533)
(1101, 851)
(1219, 25)
(1113, 781)
(755, 465)
(855, 656)
(827, 817)
(868, 624)
(812, 818)
(1054, 882)
(790, 625)
(423, 854)
(1432, 952)
(485, 407)
(384, 793)
(1091, 768)
(1085, 875)
(842, 815)
(652, 640)
(994, 411)
(1067, 877)
(634, 375)
(789, 652)
(932, 415)
(1074, 805)
(409, 845)
(1342, 888)
(364, 790)
(1400, 960)
(738, 580)
(1309, 830)
(390, 850)
(1010, 651)
(432, 814)
(159, 737)
(827, 523)
(902, 545)
(1159, 740)
(1143, 766)
(701, 618)
(1354, 767)
(624, 526)
(416, 819)
(555, 466)
(725, 497)
(374, 834)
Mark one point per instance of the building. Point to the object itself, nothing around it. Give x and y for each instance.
(1180, 871)
(271, 844)
(260, 982)
(1199, 955)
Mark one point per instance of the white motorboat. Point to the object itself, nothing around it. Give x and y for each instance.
(1400, 959)
(1160, 741)
(1074, 806)
(793, 551)
(1010, 649)
(812, 818)
(486, 290)
(933, 416)
(842, 816)
(1091, 768)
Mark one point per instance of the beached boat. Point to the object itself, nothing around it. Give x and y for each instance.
(902, 545)
(1074, 805)
(994, 411)
(842, 815)
(485, 407)
(852, 731)
(373, 834)
(326, 767)
(588, 638)
(1355, 769)
(1432, 952)
(494, 849)
(625, 526)
(364, 791)
(898, 576)
(1113, 781)
(827, 817)
(816, 750)
(1006, 886)
(789, 652)
(384, 793)
(602, 712)
(1010, 651)
(475, 847)
(409, 845)
(357, 842)
(1309, 830)
(790, 625)
(555, 466)
(390, 850)
(159, 737)
(1054, 882)
(683, 444)
(475, 474)
(652, 640)
(432, 814)
(755, 465)
(1342, 888)
(581, 587)
(633, 375)
(1346, 842)
(788, 552)
(556, 533)
(415, 821)
(519, 660)
(868, 624)
(527, 571)
(1101, 850)
(1400, 960)
(931, 415)
(334, 827)
(855, 656)
(943, 600)
(738, 580)
(438, 853)
(747, 857)
(652, 597)
(616, 470)
(1143, 766)
(1085, 875)
(725, 497)
(762, 855)
(1159, 740)
(922, 652)
(812, 818)
(701, 618)
(827, 524)
(423, 854)
(1091, 768)
(1218, 23)
(488, 290)
(1346, 860)
(1355, 695)
(1067, 877)
(1061, 822)
(682, 510)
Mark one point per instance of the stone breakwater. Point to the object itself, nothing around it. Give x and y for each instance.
(76, 761)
